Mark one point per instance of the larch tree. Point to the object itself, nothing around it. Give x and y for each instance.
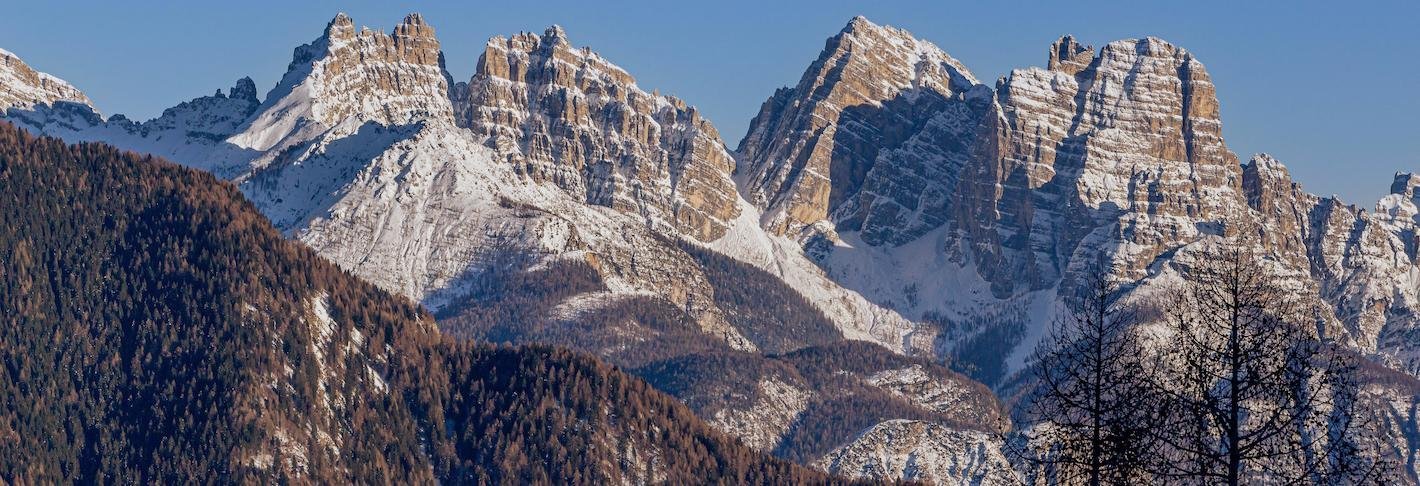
(1251, 394)
(1092, 402)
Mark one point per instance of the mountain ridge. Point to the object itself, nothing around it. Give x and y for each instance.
(186, 339)
(909, 203)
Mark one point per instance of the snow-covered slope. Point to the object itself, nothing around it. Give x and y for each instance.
(922, 451)
(22, 88)
(980, 219)
(911, 204)
(365, 152)
(991, 203)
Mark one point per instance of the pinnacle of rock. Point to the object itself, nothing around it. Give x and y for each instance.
(340, 27)
(1406, 183)
(245, 89)
(554, 35)
(1069, 56)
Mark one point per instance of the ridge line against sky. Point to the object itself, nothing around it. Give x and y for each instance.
(1329, 89)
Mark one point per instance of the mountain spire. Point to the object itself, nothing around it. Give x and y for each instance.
(1069, 56)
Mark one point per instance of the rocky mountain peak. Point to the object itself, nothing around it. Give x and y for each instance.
(858, 24)
(23, 87)
(1069, 56)
(368, 69)
(554, 35)
(1133, 140)
(1403, 203)
(872, 88)
(415, 39)
(1269, 187)
(568, 116)
(908, 53)
(346, 78)
(244, 90)
(340, 27)
(1266, 167)
(1406, 183)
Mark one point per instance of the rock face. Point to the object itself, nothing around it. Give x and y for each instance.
(874, 93)
(22, 87)
(888, 155)
(921, 451)
(344, 81)
(982, 218)
(565, 115)
(366, 153)
(1125, 152)
(390, 78)
(907, 203)
(1111, 157)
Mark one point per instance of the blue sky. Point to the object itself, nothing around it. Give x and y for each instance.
(1330, 88)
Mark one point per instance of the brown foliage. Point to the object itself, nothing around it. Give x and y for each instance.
(155, 328)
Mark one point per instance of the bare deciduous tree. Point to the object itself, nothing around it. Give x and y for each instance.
(1092, 398)
(1251, 393)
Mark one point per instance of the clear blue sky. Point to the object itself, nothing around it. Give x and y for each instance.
(1330, 88)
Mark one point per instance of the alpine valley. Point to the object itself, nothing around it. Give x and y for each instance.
(858, 286)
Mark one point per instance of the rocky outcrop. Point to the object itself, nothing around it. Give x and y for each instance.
(565, 115)
(763, 423)
(21, 87)
(1361, 266)
(387, 78)
(874, 93)
(888, 182)
(922, 451)
(346, 79)
(1070, 57)
(1112, 157)
(1125, 152)
(213, 117)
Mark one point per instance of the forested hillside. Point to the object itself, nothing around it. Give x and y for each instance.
(156, 328)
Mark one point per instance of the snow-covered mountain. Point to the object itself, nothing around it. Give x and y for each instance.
(910, 204)
(979, 214)
(23, 88)
(813, 149)
(1006, 194)
(368, 153)
(564, 114)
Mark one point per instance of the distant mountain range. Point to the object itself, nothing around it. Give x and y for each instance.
(887, 218)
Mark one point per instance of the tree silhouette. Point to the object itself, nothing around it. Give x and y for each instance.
(1250, 392)
(1092, 402)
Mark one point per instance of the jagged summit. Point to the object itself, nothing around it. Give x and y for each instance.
(811, 147)
(1266, 162)
(342, 26)
(245, 89)
(1069, 56)
(23, 87)
(555, 34)
(858, 23)
(568, 116)
(1405, 183)
(345, 79)
(888, 182)
(875, 36)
